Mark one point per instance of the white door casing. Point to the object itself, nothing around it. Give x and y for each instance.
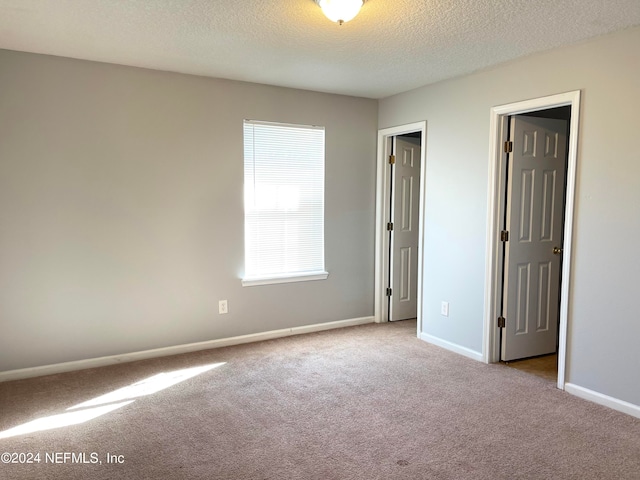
(495, 220)
(382, 240)
(534, 219)
(405, 236)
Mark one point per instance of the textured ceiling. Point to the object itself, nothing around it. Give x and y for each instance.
(390, 47)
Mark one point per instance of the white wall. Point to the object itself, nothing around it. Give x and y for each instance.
(604, 324)
(121, 216)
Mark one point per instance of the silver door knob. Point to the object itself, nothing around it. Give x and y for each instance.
(557, 250)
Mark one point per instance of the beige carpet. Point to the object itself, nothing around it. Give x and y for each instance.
(369, 402)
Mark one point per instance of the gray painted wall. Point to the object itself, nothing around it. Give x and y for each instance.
(121, 215)
(604, 324)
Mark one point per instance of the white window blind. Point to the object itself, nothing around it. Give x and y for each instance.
(284, 202)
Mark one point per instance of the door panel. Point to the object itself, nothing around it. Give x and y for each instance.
(404, 251)
(534, 216)
(404, 292)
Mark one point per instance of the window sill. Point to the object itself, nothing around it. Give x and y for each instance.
(307, 277)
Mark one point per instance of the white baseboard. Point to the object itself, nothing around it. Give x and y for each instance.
(175, 350)
(601, 399)
(453, 347)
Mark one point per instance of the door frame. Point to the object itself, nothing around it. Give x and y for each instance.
(383, 189)
(496, 205)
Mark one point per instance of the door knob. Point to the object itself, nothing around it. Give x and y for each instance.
(557, 250)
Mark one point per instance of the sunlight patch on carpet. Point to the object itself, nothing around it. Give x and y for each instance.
(104, 404)
(148, 386)
(61, 420)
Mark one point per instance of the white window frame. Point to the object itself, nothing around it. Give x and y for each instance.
(250, 162)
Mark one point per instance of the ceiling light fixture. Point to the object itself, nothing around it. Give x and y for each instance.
(340, 11)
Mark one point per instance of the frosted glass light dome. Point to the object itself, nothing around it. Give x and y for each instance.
(340, 11)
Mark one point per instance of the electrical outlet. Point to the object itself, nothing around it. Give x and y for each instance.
(444, 309)
(223, 307)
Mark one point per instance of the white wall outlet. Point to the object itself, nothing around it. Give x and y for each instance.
(223, 307)
(444, 309)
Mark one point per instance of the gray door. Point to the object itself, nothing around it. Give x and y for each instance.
(534, 219)
(404, 236)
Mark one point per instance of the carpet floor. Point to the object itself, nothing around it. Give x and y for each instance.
(366, 402)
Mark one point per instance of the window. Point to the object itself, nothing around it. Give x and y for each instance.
(283, 203)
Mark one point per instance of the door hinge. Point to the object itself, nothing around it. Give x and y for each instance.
(392, 159)
(389, 291)
(390, 226)
(508, 146)
(501, 322)
(504, 236)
